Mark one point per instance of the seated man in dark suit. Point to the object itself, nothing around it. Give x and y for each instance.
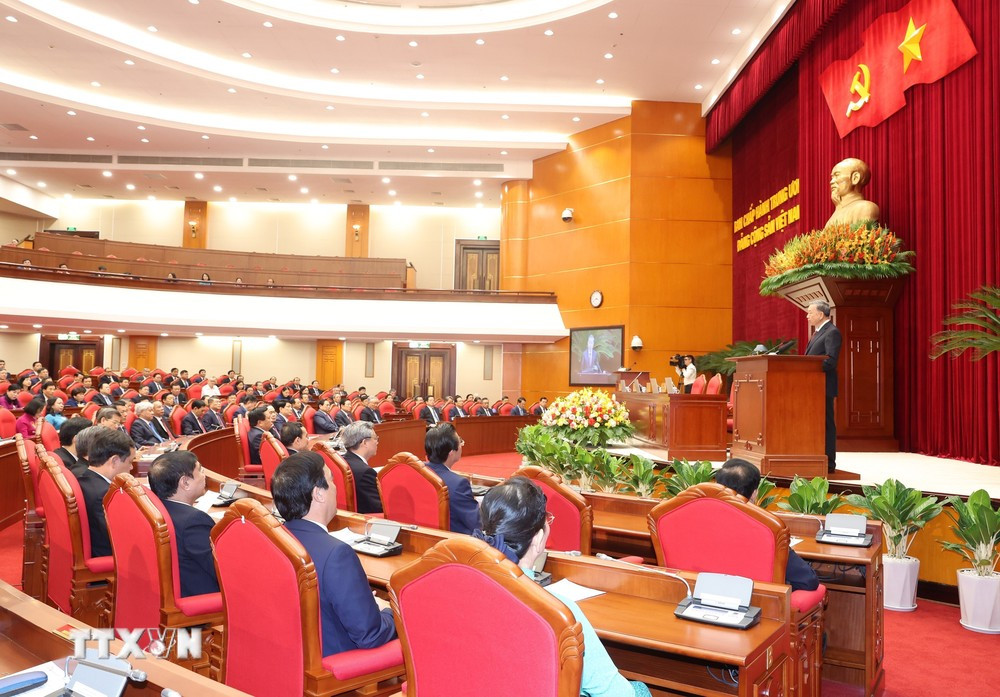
(161, 422)
(294, 437)
(444, 449)
(142, 430)
(344, 416)
(430, 413)
(543, 404)
(212, 418)
(67, 448)
(82, 444)
(103, 396)
(178, 480)
(484, 408)
(260, 419)
(110, 454)
(283, 407)
(743, 478)
(521, 408)
(306, 498)
(142, 396)
(457, 410)
(361, 443)
(175, 390)
(192, 424)
(370, 412)
(322, 421)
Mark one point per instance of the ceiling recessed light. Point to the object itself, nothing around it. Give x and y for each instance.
(599, 81)
(325, 147)
(293, 178)
(12, 18)
(424, 114)
(37, 326)
(612, 15)
(609, 56)
(194, 2)
(121, 331)
(330, 107)
(129, 61)
(4, 326)
(737, 31)
(152, 28)
(392, 192)
(87, 331)
(268, 25)
(715, 61)
(247, 54)
(548, 32)
(334, 70)
(232, 199)
(430, 149)
(420, 76)
(477, 182)
(231, 90)
(386, 180)
(95, 83)
(505, 116)
(304, 190)
(216, 188)
(576, 118)
(71, 113)
(12, 172)
(106, 173)
(199, 175)
(42, 185)
(698, 86)
(503, 152)
(479, 194)
(130, 187)
(141, 128)
(199, 334)
(339, 37)
(504, 78)
(33, 137)
(144, 140)
(480, 42)
(90, 138)
(204, 137)
(150, 198)
(413, 44)
(164, 334)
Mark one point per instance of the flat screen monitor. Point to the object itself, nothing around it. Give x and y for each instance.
(595, 355)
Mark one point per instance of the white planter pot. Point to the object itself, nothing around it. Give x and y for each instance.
(900, 583)
(979, 597)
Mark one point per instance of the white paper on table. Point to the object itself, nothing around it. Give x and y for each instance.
(206, 501)
(794, 541)
(573, 591)
(347, 535)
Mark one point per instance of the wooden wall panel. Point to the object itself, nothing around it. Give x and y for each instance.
(580, 248)
(682, 199)
(678, 156)
(515, 199)
(356, 242)
(196, 212)
(671, 118)
(673, 241)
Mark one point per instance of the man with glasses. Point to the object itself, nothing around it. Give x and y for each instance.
(361, 442)
(444, 450)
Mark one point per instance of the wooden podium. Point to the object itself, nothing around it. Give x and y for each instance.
(779, 414)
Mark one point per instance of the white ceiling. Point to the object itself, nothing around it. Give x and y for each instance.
(188, 90)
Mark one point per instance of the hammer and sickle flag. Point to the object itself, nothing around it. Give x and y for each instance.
(920, 43)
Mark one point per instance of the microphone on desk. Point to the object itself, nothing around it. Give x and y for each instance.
(784, 347)
(655, 569)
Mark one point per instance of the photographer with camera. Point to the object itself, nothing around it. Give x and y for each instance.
(685, 369)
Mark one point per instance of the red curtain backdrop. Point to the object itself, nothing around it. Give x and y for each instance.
(935, 166)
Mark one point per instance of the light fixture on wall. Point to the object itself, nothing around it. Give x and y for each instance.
(357, 231)
(194, 227)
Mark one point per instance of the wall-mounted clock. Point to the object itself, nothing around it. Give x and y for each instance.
(596, 298)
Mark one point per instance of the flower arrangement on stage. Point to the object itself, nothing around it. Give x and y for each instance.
(589, 417)
(867, 251)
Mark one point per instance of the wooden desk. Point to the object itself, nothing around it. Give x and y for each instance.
(635, 619)
(484, 435)
(399, 436)
(27, 639)
(691, 426)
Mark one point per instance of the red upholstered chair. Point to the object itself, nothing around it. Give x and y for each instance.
(699, 385)
(353, 395)
(129, 420)
(506, 409)
(34, 389)
(24, 397)
(4, 384)
(194, 392)
(90, 411)
(65, 381)
(415, 410)
(32, 575)
(96, 371)
(406, 404)
(411, 493)
(574, 517)
(343, 477)
(229, 413)
(714, 385)
(447, 655)
(129, 394)
(89, 395)
(270, 396)
(147, 585)
(729, 406)
(68, 370)
(445, 410)
(272, 452)
(177, 415)
(274, 648)
(71, 571)
(534, 405)
(708, 527)
(47, 435)
(248, 471)
(129, 372)
(61, 395)
(386, 407)
(381, 395)
(8, 424)
(308, 413)
(226, 390)
(25, 373)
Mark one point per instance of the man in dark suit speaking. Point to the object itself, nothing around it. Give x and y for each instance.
(826, 341)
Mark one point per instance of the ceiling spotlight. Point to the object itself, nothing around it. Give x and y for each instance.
(121, 331)
(698, 86)
(424, 114)
(479, 204)
(325, 147)
(152, 28)
(105, 173)
(548, 32)
(479, 194)
(505, 116)
(292, 178)
(199, 334)
(304, 190)
(477, 182)
(247, 54)
(95, 83)
(392, 192)
(231, 90)
(600, 81)
(71, 113)
(386, 180)
(737, 31)
(87, 331)
(504, 78)
(430, 149)
(164, 334)
(33, 137)
(314, 201)
(90, 138)
(715, 61)
(413, 44)
(141, 128)
(130, 187)
(268, 25)
(42, 185)
(129, 61)
(334, 70)
(420, 76)
(4, 326)
(67, 195)
(576, 118)
(12, 172)
(339, 37)
(216, 188)
(503, 152)
(199, 175)
(204, 137)
(480, 42)
(144, 140)
(609, 56)
(330, 107)
(12, 18)
(194, 2)
(37, 326)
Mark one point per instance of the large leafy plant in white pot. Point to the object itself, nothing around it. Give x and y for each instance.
(976, 524)
(903, 512)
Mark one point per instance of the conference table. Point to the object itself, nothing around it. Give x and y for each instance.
(634, 617)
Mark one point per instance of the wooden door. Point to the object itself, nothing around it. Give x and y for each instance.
(423, 371)
(81, 355)
(477, 265)
(142, 352)
(329, 363)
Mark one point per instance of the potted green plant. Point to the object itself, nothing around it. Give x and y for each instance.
(903, 511)
(607, 471)
(686, 475)
(977, 525)
(978, 326)
(812, 497)
(640, 477)
(764, 497)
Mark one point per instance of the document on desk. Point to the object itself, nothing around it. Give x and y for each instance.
(573, 591)
(347, 535)
(207, 500)
(794, 541)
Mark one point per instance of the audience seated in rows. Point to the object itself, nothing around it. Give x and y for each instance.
(110, 453)
(361, 443)
(294, 437)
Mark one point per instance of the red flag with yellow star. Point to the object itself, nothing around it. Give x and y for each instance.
(920, 43)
